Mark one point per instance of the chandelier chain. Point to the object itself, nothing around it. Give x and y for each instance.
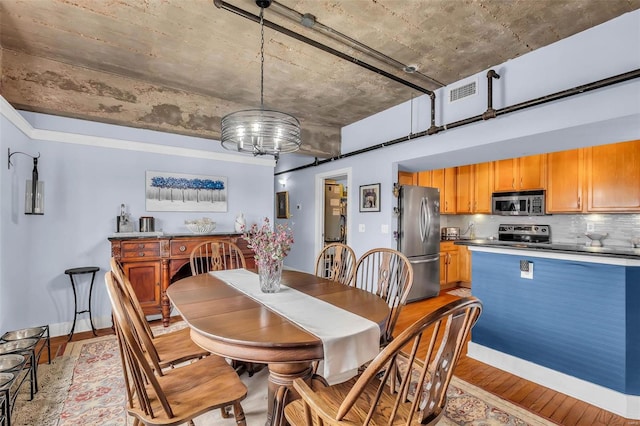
(262, 57)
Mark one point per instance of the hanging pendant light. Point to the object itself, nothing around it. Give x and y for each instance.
(261, 131)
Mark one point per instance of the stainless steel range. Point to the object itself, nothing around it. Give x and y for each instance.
(525, 233)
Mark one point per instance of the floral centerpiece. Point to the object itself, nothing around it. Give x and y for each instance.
(271, 245)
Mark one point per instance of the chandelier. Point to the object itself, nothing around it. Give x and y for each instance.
(261, 131)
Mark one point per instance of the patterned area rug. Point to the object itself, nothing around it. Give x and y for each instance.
(85, 387)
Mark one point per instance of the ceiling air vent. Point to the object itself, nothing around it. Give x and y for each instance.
(463, 91)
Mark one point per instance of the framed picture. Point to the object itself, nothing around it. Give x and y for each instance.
(370, 198)
(185, 193)
(282, 205)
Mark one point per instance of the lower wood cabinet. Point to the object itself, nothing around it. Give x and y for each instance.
(464, 264)
(449, 265)
(152, 264)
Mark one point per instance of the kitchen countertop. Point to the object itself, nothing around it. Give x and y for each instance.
(619, 252)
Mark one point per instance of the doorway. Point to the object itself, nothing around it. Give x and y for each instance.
(333, 201)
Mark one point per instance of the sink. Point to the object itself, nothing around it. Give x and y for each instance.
(596, 239)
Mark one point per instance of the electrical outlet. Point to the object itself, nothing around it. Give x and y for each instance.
(591, 227)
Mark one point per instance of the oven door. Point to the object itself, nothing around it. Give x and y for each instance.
(510, 206)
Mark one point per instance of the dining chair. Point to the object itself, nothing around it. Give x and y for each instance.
(179, 394)
(336, 262)
(216, 256)
(388, 274)
(399, 388)
(167, 349)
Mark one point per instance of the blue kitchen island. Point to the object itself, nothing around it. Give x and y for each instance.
(565, 317)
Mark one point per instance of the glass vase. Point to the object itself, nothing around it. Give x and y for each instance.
(270, 274)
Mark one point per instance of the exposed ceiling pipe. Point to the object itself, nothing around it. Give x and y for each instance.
(231, 8)
(620, 78)
(490, 112)
(309, 21)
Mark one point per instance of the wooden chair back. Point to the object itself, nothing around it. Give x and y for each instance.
(140, 328)
(216, 256)
(388, 274)
(397, 387)
(122, 280)
(138, 371)
(193, 388)
(337, 262)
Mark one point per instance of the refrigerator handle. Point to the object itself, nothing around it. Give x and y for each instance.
(424, 220)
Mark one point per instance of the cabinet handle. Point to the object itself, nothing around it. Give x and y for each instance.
(579, 202)
(469, 205)
(513, 183)
(182, 248)
(520, 181)
(140, 245)
(446, 206)
(141, 254)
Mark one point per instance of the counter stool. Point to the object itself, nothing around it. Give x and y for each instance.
(10, 368)
(77, 271)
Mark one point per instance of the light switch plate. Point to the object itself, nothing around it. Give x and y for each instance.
(384, 229)
(361, 227)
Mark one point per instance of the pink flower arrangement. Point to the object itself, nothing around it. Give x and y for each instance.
(269, 245)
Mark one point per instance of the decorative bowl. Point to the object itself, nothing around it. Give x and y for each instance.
(200, 226)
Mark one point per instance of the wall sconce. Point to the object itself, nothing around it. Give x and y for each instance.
(34, 190)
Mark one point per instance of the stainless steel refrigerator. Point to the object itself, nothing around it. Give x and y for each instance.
(334, 217)
(419, 238)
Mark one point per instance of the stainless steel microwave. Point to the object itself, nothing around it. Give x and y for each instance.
(524, 203)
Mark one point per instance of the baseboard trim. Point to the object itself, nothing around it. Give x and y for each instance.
(624, 405)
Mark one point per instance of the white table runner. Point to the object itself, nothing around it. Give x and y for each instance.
(348, 340)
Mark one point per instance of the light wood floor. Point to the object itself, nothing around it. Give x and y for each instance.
(547, 403)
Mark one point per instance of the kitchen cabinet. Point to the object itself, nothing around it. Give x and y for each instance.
(445, 180)
(424, 178)
(613, 176)
(474, 185)
(519, 174)
(407, 178)
(565, 177)
(464, 265)
(153, 263)
(449, 264)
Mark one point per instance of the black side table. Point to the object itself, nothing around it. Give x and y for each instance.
(77, 271)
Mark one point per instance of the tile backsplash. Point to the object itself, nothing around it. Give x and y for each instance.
(565, 229)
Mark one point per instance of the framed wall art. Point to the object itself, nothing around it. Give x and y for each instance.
(282, 205)
(185, 192)
(370, 198)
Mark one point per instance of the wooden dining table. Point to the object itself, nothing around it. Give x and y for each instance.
(226, 322)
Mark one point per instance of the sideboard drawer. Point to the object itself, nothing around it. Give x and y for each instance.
(141, 249)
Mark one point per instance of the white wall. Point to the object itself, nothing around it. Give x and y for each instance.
(602, 116)
(84, 187)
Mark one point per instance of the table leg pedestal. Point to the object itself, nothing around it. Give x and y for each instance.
(281, 392)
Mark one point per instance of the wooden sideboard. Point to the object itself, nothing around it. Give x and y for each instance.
(153, 263)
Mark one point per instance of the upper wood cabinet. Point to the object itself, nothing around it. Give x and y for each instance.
(424, 178)
(474, 184)
(613, 177)
(516, 174)
(565, 174)
(445, 180)
(407, 178)
(483, 187)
